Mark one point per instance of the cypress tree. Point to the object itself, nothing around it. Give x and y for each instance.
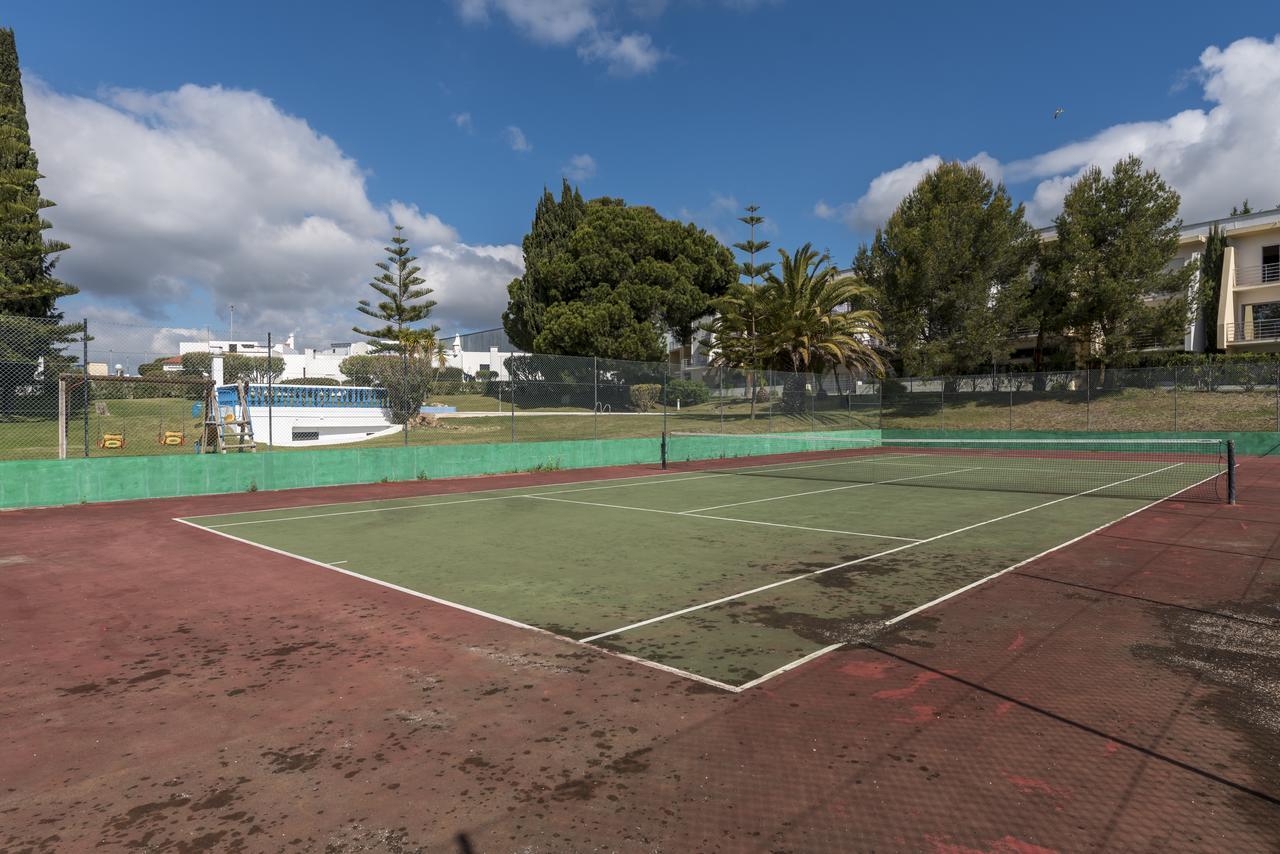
(553, 222)
(31, 331)
(27, 285)
(1210, 289)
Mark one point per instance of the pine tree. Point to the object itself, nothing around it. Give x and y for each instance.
(950, 272)
(1116, 237)
(403, 300)
(31, 331)
(750, 268)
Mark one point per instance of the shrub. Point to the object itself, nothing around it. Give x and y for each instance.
(645, 396)
(688, 392)
(309, 381)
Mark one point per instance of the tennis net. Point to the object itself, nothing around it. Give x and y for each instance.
(1150, 469)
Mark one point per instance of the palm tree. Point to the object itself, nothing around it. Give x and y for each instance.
(813, 319)
(806, 318)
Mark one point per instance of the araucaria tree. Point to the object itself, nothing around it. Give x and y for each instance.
(606, 279)
(404, 302)
(950, 272)
(750, 269)
(31, 331)
(1110, 264)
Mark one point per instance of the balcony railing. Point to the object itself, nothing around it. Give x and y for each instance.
(1263, 274)
(1258, 330)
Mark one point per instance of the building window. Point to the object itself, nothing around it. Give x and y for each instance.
(1271, 263)
(484, 368)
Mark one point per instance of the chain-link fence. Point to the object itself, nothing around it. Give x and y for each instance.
(101, 389)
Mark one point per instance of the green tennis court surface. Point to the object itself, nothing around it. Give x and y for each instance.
(734, 572)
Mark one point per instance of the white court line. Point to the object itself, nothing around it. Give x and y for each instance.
(830, 489)
(691, 515)
(662, 475)
(818, 653)
(666, 668)
(338, 562)
(672, 478)
(856, 561)
(981, 581)
(342, 512)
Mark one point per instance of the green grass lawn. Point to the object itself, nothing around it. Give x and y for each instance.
(1131, 409)
(141, 422)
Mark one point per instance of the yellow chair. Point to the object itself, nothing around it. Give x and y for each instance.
(173, 437)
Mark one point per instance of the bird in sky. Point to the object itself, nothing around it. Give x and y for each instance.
(1058, 112)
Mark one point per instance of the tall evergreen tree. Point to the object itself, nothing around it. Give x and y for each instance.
(31, 331)
(750, 269)
(404, 301)
(1116, 237)
(1210, 290)
(607, 279)
(528, 296)
(950, 271)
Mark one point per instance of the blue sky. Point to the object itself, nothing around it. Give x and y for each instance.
(257, 152)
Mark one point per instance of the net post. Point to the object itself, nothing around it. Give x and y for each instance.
(662, 449)
(1231, 471)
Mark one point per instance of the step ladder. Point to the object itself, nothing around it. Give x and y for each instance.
(229, 424)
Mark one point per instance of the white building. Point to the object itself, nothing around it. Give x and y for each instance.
(472, 352)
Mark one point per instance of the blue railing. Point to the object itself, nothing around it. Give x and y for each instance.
(330, 397)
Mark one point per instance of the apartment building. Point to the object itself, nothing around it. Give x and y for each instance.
(1249, 300)
(1249, 304)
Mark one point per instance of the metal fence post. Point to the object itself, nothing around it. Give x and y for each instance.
(942, 410)
(1009, 379)
(720, 399)
(512, 382)
(270, 409)
(1088, 399)
(1175, 399)
(84, 339)
(595, 398)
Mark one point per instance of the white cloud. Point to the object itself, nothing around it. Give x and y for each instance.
(203, 196)
(582, 22)
(1214, 157)
(579, 168)
(516, 139)
(886, 190)
(625, 56)
(556, 22)
(463, 121)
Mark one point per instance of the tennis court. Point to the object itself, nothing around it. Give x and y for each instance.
(749, 555)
